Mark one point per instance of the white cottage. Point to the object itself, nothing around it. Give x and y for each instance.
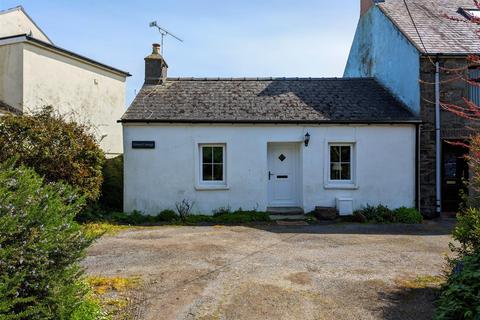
(267, 144)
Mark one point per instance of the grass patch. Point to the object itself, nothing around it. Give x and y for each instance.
(113, 294)
(96, 230)
(421, 282)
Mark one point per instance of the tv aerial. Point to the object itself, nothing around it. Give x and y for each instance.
(163, 32)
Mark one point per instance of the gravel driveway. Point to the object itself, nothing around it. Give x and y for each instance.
(345, 271)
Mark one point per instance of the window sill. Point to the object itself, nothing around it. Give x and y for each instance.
(341, 186)
(211, 187)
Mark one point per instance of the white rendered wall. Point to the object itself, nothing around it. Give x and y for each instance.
(87, 93)
(157, 179)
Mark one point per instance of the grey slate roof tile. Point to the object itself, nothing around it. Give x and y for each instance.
(439, 34)
(267, 100)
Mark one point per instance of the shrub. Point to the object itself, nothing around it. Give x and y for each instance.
(377, 214)
(460, 297)
(184, 209)
(407, 215)
(57, 149)
(359, 217)
(167, 216)
(133, 218)
(40, 247)
(467, 232)
(112, 187)
(221, 211)
(198, 218)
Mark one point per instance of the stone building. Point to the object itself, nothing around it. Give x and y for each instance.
(405, 47)
(34, 73)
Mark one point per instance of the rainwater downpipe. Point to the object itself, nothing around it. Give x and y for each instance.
(438, 141)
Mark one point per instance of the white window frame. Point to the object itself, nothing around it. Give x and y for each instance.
(208, 184)
(341, 184)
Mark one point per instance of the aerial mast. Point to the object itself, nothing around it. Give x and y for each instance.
(163, 32)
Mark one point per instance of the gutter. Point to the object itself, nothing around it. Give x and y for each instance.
(298, 122)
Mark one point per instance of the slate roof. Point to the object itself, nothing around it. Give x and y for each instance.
(277, 100)
(439, 34)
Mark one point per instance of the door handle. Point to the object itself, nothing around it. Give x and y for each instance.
(270, 174)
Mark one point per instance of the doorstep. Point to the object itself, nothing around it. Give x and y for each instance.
(286, 213)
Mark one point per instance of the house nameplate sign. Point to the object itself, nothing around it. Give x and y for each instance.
(143, 144)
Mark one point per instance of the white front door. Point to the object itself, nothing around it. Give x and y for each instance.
(283, 161)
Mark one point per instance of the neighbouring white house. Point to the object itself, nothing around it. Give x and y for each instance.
(266, 144)
(35, 73)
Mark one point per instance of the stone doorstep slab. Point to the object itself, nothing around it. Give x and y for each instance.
(291, 223)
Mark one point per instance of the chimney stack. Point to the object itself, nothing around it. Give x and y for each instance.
(365, 5)
(155, 66)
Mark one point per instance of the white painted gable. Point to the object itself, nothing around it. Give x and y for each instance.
(16, 21)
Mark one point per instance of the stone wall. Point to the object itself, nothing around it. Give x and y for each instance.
(452, 90)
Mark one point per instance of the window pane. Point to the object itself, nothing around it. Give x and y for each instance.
(218, 172)
(346, 171)
(207, 154)
(207, 172)
(335, 171)
(334, 154)
(217, 155)
(345, 154)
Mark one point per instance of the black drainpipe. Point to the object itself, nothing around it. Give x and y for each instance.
(417, 166)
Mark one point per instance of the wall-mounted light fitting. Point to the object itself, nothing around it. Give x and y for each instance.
(307, 139)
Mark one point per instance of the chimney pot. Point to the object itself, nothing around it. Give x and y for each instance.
(156, 48)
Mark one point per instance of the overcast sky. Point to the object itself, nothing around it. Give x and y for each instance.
(222, 38)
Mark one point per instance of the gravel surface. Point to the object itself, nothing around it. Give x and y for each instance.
(345, 271)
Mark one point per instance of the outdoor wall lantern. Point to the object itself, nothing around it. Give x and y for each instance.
(307, 139)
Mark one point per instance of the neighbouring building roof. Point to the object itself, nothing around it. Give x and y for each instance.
(439, 33)
(18, 25)
(27, 38)
(270, 100)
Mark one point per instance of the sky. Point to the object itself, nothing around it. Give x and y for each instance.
(222, 38)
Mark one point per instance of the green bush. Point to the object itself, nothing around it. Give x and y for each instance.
(198, 218)
(460, 296)
(40, 247)
(57, 149)
(467, 232)
(221, 211)
(407, 215)
(377, 214)
(382, 214)
(168, 216)
(111, 197)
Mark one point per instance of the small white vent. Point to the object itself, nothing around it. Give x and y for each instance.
(345, 206)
